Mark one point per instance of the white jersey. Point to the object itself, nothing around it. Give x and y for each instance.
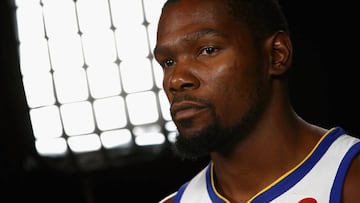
(318, 178)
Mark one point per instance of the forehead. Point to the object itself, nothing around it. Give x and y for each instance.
(190, 14)
(191, 6)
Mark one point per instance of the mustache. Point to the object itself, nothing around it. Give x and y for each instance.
(187, 97)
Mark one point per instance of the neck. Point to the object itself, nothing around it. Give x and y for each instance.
(280, 141)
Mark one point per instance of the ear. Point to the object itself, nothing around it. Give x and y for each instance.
(281, 53)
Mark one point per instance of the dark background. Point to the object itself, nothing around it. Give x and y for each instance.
(325, 90)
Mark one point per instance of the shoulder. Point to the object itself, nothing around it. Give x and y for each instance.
(352, 181)
(168, 199)
(199, 178)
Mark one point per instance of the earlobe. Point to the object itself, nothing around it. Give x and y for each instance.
(281, 53)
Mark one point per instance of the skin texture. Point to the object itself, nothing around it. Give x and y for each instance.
(229, 99)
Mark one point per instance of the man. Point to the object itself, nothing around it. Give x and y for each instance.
(226, 64)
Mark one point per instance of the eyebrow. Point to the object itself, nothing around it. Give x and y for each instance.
(201, 33)
(191, 37)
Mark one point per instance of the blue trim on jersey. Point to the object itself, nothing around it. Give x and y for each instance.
(180, 192)
(336, 190)
(214, 198)
(290, 180)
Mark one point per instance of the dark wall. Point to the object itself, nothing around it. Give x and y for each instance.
(325, 89)
(326, 84)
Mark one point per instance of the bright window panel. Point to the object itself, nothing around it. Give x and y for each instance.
(116, 138)
(29, 20)
(66, 53)
(60, 25)
(51, 147)
(152, 13)
(153, 10)
(121, 15)
(46, 122)
(144, 129)
(93, 15)
(71, 85)
(39, 89)
(164, 105)
(132, 42)
(110, 113)
(172, 137)
(152, 29)
(34, 57)
(104, 80)
(99, 47)
(159, 74)
(153, 138)
(142, 108)
(170, 126)
(136, 75)
(84, 143)
(148, 135)
(77, 118)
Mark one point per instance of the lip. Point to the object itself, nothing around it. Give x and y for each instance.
(185, 109)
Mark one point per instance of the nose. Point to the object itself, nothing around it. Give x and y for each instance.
(182, 78)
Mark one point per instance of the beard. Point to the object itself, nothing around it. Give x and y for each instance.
(216, 138)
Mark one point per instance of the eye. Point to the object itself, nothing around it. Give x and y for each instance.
(208, 51)
(167, 63)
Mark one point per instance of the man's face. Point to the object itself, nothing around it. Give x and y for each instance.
(214, 76)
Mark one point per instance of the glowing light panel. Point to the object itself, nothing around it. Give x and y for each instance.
(89, 75)
(78, 118)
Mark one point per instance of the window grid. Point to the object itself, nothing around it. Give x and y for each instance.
(68, 71)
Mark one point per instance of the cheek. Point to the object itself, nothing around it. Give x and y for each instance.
(230, 80)
(226, 94)
(233, 91)
(230, 102)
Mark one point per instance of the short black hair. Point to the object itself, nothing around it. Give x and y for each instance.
(263, 17)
